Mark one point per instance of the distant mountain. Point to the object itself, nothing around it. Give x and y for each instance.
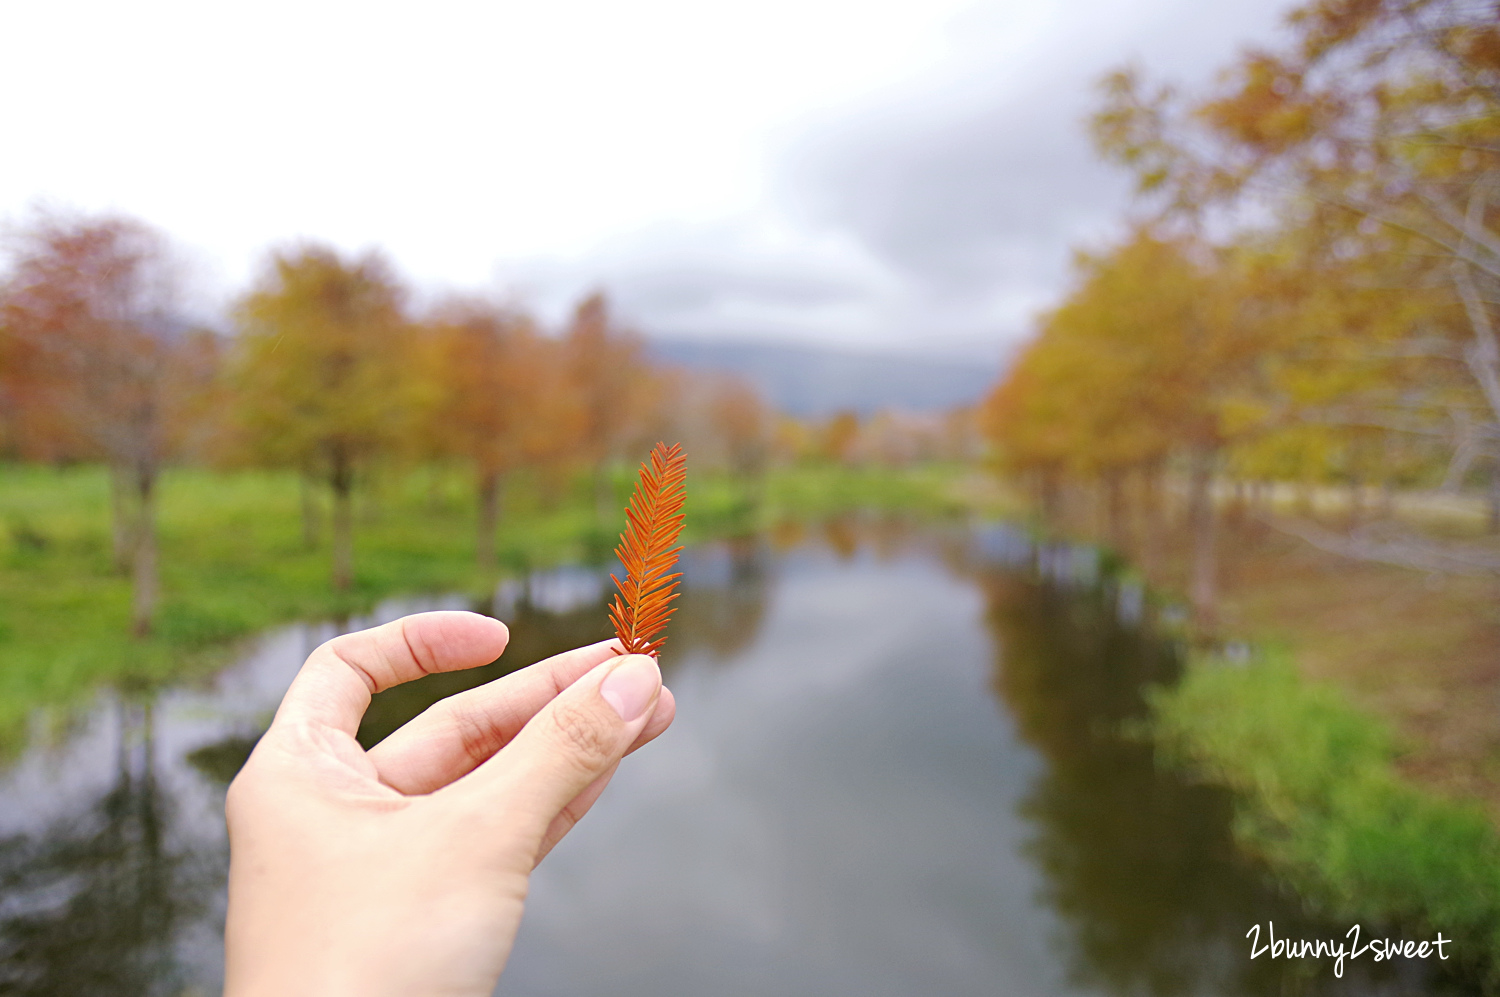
(813, 381)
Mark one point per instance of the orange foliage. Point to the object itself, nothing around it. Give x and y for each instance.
(1366, 152)
(614, 383)
(99, 363)
(654, 521)
(98, 357)
(495, 394)
(1137, 364)
(322, 375)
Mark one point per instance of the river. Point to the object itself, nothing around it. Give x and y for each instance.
(900, 766)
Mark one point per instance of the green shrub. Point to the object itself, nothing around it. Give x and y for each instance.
(1319, 799)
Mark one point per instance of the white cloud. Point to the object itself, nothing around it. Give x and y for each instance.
(892, 173)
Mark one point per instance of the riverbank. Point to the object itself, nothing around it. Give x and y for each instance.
(1419, 651)
(235, 557)
(1321, 801)
(1354, 718)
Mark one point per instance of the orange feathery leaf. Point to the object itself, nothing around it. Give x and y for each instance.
(654, 519)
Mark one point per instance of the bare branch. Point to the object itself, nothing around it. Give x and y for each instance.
(1402, 551)
(1464, 456)
(1469, 225)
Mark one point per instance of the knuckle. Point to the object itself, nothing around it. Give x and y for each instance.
(477, 734)
(583, 736)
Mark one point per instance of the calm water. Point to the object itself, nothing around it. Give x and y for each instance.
(897, 768)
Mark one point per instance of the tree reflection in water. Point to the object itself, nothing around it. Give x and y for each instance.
(99, 901)
(117, 899)
(719, 610)
(125, 896)
(535, 633)
(723, 599)
(1139, 861)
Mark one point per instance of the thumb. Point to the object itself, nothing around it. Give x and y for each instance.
(575, 739)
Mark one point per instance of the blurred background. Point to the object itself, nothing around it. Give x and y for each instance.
(1093, 423)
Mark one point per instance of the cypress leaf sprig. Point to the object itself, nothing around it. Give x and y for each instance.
(654, 517)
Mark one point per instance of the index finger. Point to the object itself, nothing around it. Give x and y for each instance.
(334, 687)
(452, 736)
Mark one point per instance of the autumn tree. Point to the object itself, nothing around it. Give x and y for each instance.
(1375, 135)
(1137, 366)
(1028, 420)
(793, 440)
(721, 419)
(322, 374)
(100, 364)
(26, 429)
(497, 396)
(838, 435)
(740, 420)
(615, 386)
(1344, 392)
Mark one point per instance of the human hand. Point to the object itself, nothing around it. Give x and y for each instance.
(403, 869)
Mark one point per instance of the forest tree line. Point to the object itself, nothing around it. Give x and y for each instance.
(329, 372)
(325, 369)
(1308, 292)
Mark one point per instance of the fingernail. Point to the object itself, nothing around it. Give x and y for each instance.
(631, 686)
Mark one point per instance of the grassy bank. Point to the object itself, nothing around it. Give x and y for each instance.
(1418, 650)
(234, 559)
(1363, 749)
(1320, 800)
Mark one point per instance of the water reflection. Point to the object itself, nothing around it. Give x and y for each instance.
(720, 608)
(112, 850)
(1140, 863)
(100, 900)
(898, 768)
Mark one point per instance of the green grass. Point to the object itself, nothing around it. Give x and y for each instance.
(816, 490)
(1320, 800)
(233, 559)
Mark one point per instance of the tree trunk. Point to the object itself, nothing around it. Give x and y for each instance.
(145, 584)
(311, 514)
(121, 541)
(341, 481)
(1203, 585)
(1151, 519)
(1051, 495)
(1114, 504)
(489, 520)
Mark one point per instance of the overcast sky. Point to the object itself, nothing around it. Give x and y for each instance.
(883, 175)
